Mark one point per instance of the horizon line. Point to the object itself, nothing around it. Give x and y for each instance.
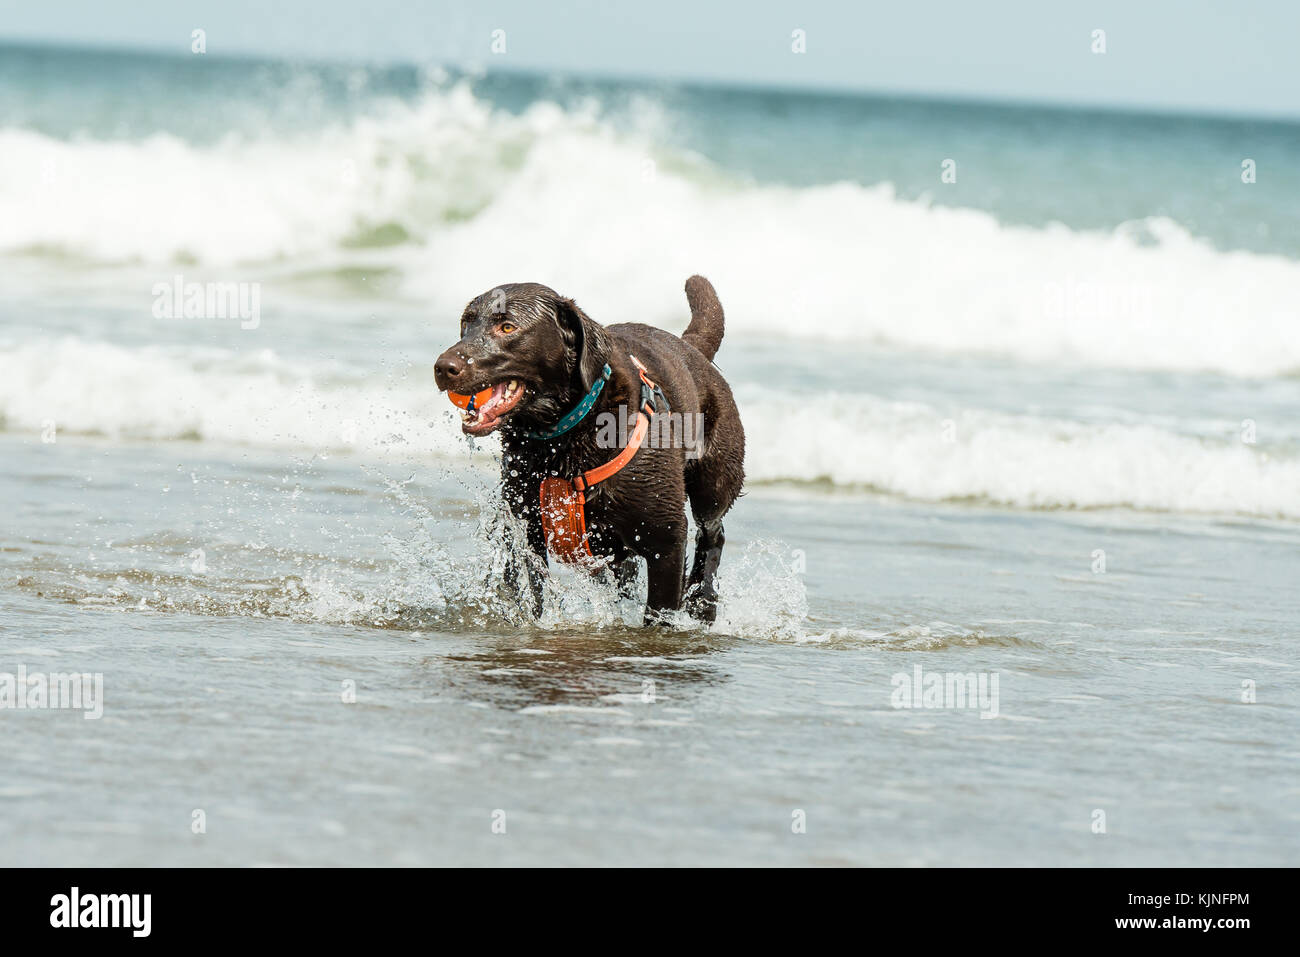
(701, 82)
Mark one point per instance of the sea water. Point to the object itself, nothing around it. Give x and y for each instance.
(1023, 424)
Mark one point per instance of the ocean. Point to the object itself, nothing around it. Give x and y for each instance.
(1020, 391)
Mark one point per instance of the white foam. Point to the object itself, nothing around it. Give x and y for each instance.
(851, 263)
(900, 448)
(911, 450)
(259, 399)
(163, 199)
(487, 197)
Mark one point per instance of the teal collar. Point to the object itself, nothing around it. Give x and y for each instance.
(579, 411)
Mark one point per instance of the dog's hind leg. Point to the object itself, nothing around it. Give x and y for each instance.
(701, 585)
(712, 487)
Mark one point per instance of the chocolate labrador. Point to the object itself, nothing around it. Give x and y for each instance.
(606, 433)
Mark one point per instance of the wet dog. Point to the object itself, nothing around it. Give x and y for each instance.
(591, 480)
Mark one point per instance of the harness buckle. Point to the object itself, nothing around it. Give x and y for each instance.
(651, 393)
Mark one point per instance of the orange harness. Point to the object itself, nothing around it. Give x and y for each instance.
(564, 500)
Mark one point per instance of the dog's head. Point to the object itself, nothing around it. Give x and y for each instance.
(534, 351)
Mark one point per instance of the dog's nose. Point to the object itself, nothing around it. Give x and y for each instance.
(447, 370)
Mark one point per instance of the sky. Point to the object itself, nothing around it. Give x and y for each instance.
(1218, 57)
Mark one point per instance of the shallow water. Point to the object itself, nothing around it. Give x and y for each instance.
(1118, 691)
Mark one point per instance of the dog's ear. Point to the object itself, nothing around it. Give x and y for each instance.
(585, 338)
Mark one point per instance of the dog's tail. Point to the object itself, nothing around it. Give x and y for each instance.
(705, 330)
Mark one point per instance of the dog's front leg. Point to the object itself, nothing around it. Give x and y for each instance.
(664, 570)
(538, 563)
(535, 565)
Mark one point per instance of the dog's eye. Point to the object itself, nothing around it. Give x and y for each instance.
(508, 327)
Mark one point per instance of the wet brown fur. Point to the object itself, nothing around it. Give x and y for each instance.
(558, 351)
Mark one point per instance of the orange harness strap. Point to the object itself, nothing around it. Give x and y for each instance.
(564, 501)
(601, 472)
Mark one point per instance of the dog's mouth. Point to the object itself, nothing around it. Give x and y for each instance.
(485, 413)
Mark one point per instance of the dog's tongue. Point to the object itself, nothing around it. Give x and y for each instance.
(484, 418)
(488, 410)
